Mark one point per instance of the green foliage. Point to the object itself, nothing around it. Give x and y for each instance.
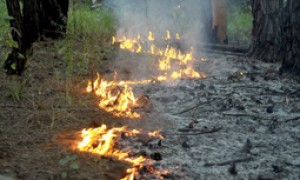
(96, 23)
(239, 25)
(4, 18)
(70, 162)
(5, 37)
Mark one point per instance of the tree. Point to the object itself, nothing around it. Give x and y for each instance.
(291, 34)
(276, 33)
(266, 32)
(33, 20)
(219, 21)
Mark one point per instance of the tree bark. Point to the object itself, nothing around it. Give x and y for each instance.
(54, 14)
(266, 32)
(291, 59)
(36, 19)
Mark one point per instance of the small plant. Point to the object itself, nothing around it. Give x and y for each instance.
(70, 163)
(16, 91)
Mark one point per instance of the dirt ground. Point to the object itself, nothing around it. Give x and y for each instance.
(40, 113)
(255, 114)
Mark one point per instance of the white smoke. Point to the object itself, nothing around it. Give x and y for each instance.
(179, 16)
(137, 17)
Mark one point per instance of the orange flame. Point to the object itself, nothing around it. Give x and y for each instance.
(118, 97)
(102, 141)
(114, 98)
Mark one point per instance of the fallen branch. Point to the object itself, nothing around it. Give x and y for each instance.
(202, 131)
(293, 119)
(234, 161)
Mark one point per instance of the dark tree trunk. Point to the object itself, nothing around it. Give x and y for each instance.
(54, 15)
(291, 59)
(266, 32)
(36, 19)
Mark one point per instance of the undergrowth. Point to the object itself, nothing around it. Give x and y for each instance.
(96, 23)
(5, 36)
(239, 25)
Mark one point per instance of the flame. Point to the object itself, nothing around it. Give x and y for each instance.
(150, 36)
(118, 98)
(156, 134)
(114, 98)
(103, 141)
(168, 37)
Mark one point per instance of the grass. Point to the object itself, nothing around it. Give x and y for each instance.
(49, 100)
(239, 26)
(97, 23)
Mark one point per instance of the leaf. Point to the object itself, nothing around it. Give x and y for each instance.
(67, 159)
(74, 166)
(13, 66)
(64, 175)
(11, 43)
(63, 161)
(73, 157)
(21, 56)
(7, 17)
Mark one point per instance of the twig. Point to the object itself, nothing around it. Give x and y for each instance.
(249, 115)
(194, 107)
(247, 159)
(203, 131)
(15, 106)
(293, 119)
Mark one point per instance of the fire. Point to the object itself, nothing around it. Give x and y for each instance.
(103, 141)
(118, 97)
(150, 36)
(114, 98)
(166, 55)
(168, 35)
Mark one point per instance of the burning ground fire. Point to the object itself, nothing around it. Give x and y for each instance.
(118, 97)
(108, 142)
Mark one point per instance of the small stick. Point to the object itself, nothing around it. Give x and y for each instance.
(234, 161)
(194, 107)
(293, 119)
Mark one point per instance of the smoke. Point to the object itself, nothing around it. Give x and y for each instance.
(189, 18)
(186, 17)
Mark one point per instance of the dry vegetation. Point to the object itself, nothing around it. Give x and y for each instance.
(41, 111)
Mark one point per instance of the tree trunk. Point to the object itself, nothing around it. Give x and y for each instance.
(291, 59)
(54, 14)
(46, 18)
(219, 21)
(266, 32)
